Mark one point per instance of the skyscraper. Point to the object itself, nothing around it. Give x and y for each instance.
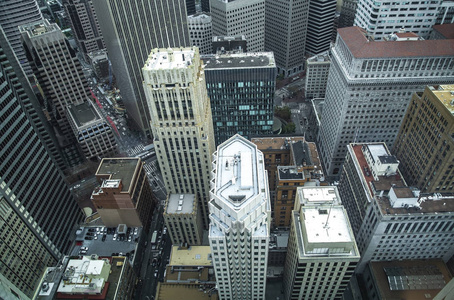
(424, 145)
(241, 90)
(38, 214)
(240, 219)
(320, 25)
(347, 14)
(60, 77)
(131, 29)
(391, 220)
(181, 122)
(322, 252)
(369, 88)
(201, 32)
(381, 18)
(285, 33)
(317, 70)
(84, 25)
(240, 17)
(14, 13)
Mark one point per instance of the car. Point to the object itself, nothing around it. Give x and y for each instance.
(136, 230)
(155, 273)
(129, 238)
(90, 233)
(153, 264)
(115, 237)
(164, 231)
(88, 237)
(91, 229)
(84, 248)
(83, 252)
(96, 237)
(104, 237)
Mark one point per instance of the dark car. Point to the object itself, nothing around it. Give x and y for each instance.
(104, 237)
(88, 237)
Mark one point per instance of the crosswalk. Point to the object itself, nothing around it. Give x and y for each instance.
(136, 150)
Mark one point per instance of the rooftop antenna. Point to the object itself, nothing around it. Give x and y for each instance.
(327, 218)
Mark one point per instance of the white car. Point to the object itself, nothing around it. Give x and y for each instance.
(115, 237)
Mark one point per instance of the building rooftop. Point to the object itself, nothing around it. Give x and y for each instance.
(238, 60)
(120, 168)
(39, 27)
(84, 114)
(320, 58)
(302, 153)
(318, 195)
(202, 17)
(192, 256)
(363, 47)
(275, 143)
(167, 291)
(410, 279)
(446, 30)
(171, 58)
(445, 94)
(289, 173)
(180, 203)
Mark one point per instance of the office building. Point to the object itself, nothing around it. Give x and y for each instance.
(223, 44)
(84, 26)
(424, 144)
(38, 214)
(201, 32)
(369, 88)
(440, 32)
(190, 7)
(181, 123)
(124, 195)
(241, 90)
(205, 5)
(14, 13)
(240, 17)
(445, 13)
(94, 135)
(240, 219)
(391, 220)
(381, 18)
(189, 274)
(348, 13)
(285, 33)
(278, 249)
(317, 70)
(122, 24)
(60, 77)
(322, 252)
(100, 64)
(320, 26)
(406, 279)
(290, 162)
(183, 219)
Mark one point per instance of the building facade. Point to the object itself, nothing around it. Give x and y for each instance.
(381, 18)
(84, 25)
(94, 135)
(181, 123)
(317, 70)
(240, 17)
(285, 33)
(201, 32)
(322, 252)
(240, 219)
(124, 195)
(320, 26)
(14, 13)
(100, 63)
(183, 219)
(390, 220)
(38, 215)
(128, 45)
(60, 77)
(369, 88)
(424, 144)
(348, 13)
(241, 90)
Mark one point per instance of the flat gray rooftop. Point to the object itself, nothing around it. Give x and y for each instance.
(238, 60)
(119, 168)
(83, 113)
(180, 203)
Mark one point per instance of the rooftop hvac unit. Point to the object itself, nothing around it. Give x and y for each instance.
(92, 286)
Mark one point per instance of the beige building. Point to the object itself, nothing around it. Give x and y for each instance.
(424, 145)
(125, 196)
(181, 121)
(182, 218)
(317, 69)
(322, 252)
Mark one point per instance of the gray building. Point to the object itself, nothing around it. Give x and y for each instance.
(131, 29)
(100, 64)
(94, 135)
(14, 13)
(390, 220)
(370, 84)
(84, 25)
(285, 33)
(348, 13)
(240, 17)
(241, 90)
(59, 76)
(38, 214)
(320, 25)
(317, 70)
(201, 32)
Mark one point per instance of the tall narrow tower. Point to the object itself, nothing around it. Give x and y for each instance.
(240, 219)
(181, 123)
(37, 211)
(131, 29)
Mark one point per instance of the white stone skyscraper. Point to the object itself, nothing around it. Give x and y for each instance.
(240, 17)
(285, 33)
(131, 29)
(181, 123)
(240, 219)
